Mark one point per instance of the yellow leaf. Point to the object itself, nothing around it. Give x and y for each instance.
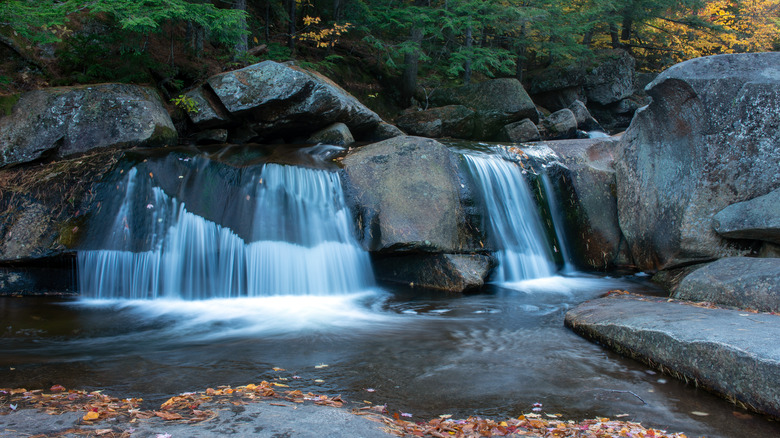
(91, 415)
(503, 424)
(281, 384)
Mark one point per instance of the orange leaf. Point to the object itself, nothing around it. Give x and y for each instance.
(91, 415)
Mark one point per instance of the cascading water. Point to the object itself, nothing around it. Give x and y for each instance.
(557, 219)
(513, 223)
(298, 239)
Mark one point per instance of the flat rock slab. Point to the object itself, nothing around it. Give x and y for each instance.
(732, 353)
(262, 420)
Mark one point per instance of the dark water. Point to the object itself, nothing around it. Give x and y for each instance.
(493, 354)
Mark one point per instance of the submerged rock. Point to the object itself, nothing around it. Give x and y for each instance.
(58, 122)
(709, 138)
(721, 350)
(449, 272)
(409, 196)
(757, 218)
(743, 282)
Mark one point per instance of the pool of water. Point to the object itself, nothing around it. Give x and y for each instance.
(491, 354)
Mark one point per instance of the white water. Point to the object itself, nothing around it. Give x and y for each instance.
(557, 218)
(514, 225)
(301, 243)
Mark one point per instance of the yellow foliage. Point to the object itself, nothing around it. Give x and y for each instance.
(323, 37)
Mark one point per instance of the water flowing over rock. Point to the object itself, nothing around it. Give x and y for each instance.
(291, 233)
(742, 282)
(65, 121)
(496, 103)
(271, 100)
(710, 138)
(513, 223)
(591, 205)
(757, 218)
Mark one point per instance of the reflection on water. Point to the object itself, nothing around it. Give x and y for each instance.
(493, 354)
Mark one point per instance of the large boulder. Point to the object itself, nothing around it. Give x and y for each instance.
(455, 121)
(273, 100)
(587, 194)
(709, 138)
(409, 196)
(612, 80)
(743, 282)
(337, 134)
(720, 350)
(757, 218)
(496, 102)
(585, 120)
(64, 121)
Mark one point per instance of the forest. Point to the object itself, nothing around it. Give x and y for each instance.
(370, 46)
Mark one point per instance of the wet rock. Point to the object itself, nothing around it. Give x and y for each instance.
(384, 131)
(585, 120)
(283, 99)
(522, 131)
(496, 103)
(757, 218)
(590, 203)
(743, 282)
(455, 121)
(559, 125)
(58, 122)
(732, 355)
(449, 272)
(336, 134)
(409, 195)
(710, 138)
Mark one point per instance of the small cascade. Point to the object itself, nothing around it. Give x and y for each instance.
(514, 225)
(557, 219)
(298, 240)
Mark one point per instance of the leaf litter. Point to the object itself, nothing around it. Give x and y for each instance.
(187, 408)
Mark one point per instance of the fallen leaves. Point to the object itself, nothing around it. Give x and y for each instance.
(525, 425)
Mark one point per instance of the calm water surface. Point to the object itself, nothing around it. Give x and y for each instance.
(493, 354)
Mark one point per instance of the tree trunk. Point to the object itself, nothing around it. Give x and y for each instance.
(291, 5)
(467, 63)
(627, 23)
(587, 39)
(411, 61)
(268, 22)
(522, 48)
(613, 34)
(337, 10)
(242, 43)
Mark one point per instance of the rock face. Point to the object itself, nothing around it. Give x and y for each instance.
(71, 120)
(590, 205)
(448, 272)
(611, 81)
(758, 219)
(409, 197)
(43, 207)
(271, 100)
(734, 356)
(447, 121)
(496, 102)
(743, 282)
(585, 120)
(710, 138)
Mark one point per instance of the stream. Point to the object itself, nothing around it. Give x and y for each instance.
(493, 354)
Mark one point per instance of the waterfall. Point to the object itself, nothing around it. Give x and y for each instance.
(513, 222)
(298, 239)
(557, 219)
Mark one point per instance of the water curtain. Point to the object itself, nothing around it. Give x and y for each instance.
(514, 225)
(298, 240)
